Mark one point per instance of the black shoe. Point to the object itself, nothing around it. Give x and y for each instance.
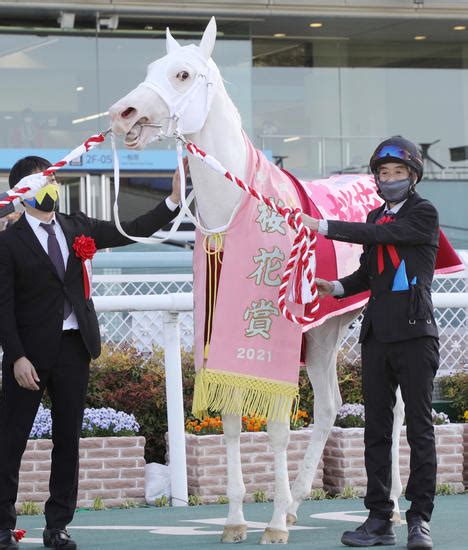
(58, 538)
(8, 540)
(419, 533)
(373, 532)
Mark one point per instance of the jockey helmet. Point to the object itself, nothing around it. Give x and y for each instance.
(401, 150)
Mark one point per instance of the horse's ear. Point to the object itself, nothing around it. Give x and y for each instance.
(171, 42)
(208, 39)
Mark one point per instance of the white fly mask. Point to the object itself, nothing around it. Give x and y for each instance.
(188, 109)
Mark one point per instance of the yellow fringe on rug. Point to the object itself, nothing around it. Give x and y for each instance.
(233, 393)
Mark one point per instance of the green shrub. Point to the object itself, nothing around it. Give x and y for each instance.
(222, 499)
(127, 504)
(98, 504)
(455, 389)
(318, 494)
(259, 496)
(123, 378)
(161, 502)
(29, 508)
(348, 492)
(349, 378)
(351, 415)
(445, 489)
(195, 500)
(349, 381)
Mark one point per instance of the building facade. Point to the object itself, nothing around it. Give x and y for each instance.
(317, 84)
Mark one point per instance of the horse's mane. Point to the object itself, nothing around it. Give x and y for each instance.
(223, 83)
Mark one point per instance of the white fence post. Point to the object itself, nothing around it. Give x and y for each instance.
(175, 409)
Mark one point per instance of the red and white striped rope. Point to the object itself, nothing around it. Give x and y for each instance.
(304, 244)
(19, 191)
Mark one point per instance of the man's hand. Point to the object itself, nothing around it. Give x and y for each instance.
(175, 195)
(25, 374)
(325, 288)
(312, 223)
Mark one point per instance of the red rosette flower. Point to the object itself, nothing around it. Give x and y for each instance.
(85, 248)
(19, 534)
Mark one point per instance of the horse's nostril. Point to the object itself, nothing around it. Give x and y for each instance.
(128, 112)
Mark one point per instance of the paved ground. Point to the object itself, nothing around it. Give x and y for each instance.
(320, 525)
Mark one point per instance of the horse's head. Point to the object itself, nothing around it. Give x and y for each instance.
(175, 95)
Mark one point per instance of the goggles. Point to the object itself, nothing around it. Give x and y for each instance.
(393, 151)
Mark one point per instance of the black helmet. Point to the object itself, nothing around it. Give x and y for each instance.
(398, 149)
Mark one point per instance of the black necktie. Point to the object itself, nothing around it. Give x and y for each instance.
(55, 255)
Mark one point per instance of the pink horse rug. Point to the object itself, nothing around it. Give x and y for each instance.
(247, 355)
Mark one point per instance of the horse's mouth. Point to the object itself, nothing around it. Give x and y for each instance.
(142, 133)
(132, 137)
(135, 137)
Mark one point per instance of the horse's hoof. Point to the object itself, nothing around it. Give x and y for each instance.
(396, 517)
(234, 533)
(291, 519)
(274, 536)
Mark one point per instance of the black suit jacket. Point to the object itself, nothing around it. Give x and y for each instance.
(395, 315)
(32, 293)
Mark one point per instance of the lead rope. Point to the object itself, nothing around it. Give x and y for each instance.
(302, 255)
(19, 191)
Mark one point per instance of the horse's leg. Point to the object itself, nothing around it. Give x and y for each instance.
(235, 529)
(277, 530)
(398, 418)
(323, 343)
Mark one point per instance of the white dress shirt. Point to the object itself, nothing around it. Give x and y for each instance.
(171, 204)
(71, 322)
(338, 289)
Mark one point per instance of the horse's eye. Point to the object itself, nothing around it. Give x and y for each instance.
(183, 75)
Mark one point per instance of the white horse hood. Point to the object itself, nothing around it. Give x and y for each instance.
(189, 107)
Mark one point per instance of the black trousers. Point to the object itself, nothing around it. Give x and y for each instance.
(411, 364)
(66, 382)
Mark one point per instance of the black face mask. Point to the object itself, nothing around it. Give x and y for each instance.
(48, 204)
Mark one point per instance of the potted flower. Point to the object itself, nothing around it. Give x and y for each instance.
(112, 464)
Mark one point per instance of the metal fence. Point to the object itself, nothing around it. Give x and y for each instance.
(143, 329)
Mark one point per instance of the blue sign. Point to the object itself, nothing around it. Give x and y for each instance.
(98, 160)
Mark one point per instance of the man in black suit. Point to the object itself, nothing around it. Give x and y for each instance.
(49, 332)
(399, 336)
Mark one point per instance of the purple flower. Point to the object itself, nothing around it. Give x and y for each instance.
(350, 415)
(439, 418)
(96, 422)
(42, 427)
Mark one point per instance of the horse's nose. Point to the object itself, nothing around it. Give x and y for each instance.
(128, 112)
(123, 117)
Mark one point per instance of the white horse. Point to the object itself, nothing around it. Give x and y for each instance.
(184, 89)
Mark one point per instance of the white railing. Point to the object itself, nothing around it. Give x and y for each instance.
(171, 305)
(144, 329)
